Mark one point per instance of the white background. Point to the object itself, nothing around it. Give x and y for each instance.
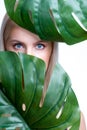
(74, 61)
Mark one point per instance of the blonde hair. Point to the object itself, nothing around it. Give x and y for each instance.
(53, 59)
(52, 63)
(8, 27)
(4, 22)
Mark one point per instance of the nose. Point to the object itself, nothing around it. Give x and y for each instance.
(29, 51)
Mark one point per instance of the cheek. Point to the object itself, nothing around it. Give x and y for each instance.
(8, 48)
(45, 57)
(46, 60)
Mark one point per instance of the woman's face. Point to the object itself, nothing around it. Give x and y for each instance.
(21, 40)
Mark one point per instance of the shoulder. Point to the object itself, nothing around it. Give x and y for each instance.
(82, 122)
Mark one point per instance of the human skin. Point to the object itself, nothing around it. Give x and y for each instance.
(21, 40)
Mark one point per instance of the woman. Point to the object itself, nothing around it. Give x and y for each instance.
(41, 49)
(16, 39)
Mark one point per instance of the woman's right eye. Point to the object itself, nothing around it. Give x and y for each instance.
(18, 46)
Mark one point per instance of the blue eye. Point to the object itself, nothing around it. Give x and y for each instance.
(40, 46)
(18, 46)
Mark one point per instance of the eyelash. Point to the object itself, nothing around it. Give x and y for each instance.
(16, 44)
(39, 46)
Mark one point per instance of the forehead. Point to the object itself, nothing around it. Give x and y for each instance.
(10, 25)
(8, 28)
(13, 29)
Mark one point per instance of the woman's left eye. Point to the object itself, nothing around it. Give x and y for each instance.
(40, 46)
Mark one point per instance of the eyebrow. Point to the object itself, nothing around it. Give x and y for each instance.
(14, 40)
(19, 40)
(43, 41)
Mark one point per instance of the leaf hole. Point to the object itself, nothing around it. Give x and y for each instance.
(17, 128)
(23, 107)
(16, 5)
(60, 112)
(6, 115)
(30, 16)
(53, 19)
(69, 128)
(61, 109)
(78, 21)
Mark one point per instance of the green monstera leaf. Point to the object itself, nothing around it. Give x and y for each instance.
(10, 119)
(21, 88)
(53, 20)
